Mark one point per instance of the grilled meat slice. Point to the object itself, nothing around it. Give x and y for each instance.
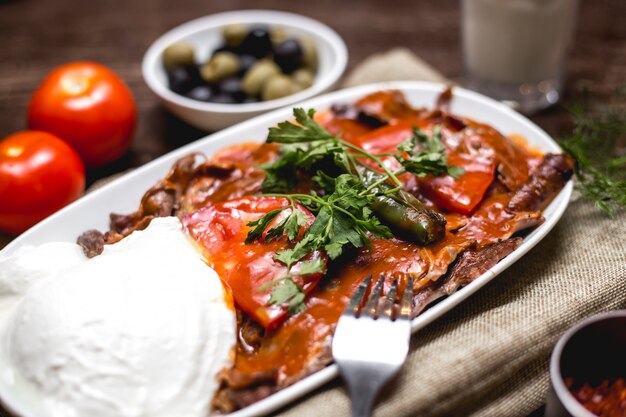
(473, 263)
(469, 265)
(244, 389)
(547, 180)
(92, 243)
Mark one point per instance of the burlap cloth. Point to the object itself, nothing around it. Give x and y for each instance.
(489, 356)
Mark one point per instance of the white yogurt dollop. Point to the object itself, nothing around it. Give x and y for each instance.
(28, 265)
(139, 331)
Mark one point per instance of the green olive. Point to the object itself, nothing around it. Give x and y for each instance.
(257, 76)
(278, 35)
(222, 65)
(295, 87)
(309, 51)
(278, 86)
(179, 54)
(303, 77)
(234, 34)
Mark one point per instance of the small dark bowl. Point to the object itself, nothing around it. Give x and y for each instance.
(590, 352)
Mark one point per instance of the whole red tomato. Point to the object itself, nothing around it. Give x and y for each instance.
(89, 107)
(39, 174)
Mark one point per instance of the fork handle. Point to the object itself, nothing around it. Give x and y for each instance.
(363, 392)
(362, 407)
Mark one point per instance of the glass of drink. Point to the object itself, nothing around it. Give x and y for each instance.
(515, 50)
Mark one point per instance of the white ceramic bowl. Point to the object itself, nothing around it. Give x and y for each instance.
(205, 35)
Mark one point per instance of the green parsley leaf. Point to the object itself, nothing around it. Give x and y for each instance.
(426, 155)
(325, 181)
(315, 266)
(343, 220)
(288, 292)
(261, 224)
(308, 131)
(294, 223)
(455, 172)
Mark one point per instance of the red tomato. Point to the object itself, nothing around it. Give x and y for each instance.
(89, 107)
(222, 228)
(463, 194)
(470, 152)
(39, 174)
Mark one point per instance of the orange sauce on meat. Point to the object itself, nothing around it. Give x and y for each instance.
(293, 348)
(300, 345)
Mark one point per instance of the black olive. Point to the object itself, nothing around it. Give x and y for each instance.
(232, 87)
(201, 93)
(257, 42)
(182, 79)
(225, 48)
(288, 55)
(245, 62)
(223, 99)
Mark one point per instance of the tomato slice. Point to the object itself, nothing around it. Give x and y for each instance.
(463, 194)
(221, 228)
(468, 151)
(385, 140)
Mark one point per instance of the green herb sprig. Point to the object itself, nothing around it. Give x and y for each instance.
(343, 217)
(285, 291)
(598, 144)
(307, 143)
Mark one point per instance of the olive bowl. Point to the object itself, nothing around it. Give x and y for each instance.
(589, 352)
(205, 34)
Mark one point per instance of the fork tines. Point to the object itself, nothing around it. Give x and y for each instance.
(371, 339)
(385, 307)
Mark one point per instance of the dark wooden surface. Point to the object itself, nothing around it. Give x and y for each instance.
(37, 35)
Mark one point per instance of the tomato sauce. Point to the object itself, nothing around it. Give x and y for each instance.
(474, 205)
(249, 269)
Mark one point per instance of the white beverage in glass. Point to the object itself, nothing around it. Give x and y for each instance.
(515, 50)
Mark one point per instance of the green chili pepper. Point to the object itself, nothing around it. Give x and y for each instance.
(404, 213)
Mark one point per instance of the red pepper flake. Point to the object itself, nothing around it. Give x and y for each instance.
(608, 399)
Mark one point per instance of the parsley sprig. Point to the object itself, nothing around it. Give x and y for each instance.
(307, 144)
(285, 291)
(343, 218)
(343, 215)
(426, 155)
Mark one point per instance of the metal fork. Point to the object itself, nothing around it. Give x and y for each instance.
(369, 346)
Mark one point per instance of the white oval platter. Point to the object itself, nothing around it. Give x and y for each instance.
(123, 196)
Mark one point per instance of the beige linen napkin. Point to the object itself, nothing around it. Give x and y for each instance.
(489, 356)
(398, 64)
